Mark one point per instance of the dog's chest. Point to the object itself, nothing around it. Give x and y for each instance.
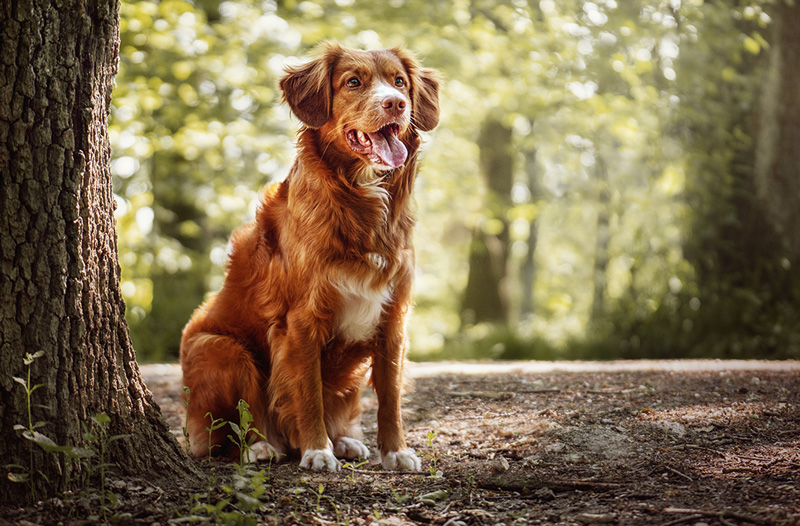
(361, 303)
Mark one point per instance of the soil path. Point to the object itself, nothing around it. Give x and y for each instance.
(567, 443)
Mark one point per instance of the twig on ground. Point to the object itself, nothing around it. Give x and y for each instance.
(687, 477)
(381, 472)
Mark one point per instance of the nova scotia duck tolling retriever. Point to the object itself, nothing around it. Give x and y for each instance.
(318, 286)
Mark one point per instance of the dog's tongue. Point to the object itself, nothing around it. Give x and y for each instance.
(388, 147)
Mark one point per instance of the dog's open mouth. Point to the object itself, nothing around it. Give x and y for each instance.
(381, 147)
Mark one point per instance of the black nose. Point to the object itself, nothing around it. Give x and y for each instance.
(394, 105)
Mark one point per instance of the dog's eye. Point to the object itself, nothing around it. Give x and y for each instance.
(353, 82)
(400, 82)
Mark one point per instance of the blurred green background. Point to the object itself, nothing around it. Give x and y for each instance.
(591, 192)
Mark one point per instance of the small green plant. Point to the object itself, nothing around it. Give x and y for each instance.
(319, 492)
(272, 458)
(98, 438)
(216, 423)
(242, 430)
(187, 443)
(243, 490)
(434, 455)
(27, 474)
(353, 465)
(320, 495)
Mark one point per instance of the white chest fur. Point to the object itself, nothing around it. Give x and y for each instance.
(360, 307)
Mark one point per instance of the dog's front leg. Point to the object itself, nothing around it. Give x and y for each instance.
(297, 380)
(387, 380)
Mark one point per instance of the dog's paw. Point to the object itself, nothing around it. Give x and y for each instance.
(405, 460)
(350, 448)
(319, 460)
(262, 450)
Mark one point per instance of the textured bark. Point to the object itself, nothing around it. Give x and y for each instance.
(59, 271)
(484, 298)
(777, 153)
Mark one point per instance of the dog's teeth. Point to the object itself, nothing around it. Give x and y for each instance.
(362, 138)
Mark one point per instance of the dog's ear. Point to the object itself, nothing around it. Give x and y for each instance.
(426, 99)
(424, 91)
(307, 88)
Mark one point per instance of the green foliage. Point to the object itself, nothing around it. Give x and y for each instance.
(242, 431)
(500, 342)
(96, 435)
(632, 145)
(353, 465)
(93, 457)
(434, 454)
(216, 423)
(319, 494)
(29, 474)
(243, 492)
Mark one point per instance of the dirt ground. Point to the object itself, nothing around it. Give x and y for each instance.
(650, 443)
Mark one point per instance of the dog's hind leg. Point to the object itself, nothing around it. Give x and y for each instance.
(219, 372)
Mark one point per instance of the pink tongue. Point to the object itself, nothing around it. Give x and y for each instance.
(389, 148)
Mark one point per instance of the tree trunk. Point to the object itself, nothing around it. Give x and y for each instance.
(59, 281)
(602, 240)
(528, 270)
(484, 297)
(777, 171)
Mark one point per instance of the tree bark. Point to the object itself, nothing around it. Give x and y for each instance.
(777, 170)
(59, 271)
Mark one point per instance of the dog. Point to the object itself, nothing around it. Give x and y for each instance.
(318, 286)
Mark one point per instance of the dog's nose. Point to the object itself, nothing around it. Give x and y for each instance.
(394, 105)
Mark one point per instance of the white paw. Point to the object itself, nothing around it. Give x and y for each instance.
(350, 448)
(319, 459)
(262, 450)
(405, 460)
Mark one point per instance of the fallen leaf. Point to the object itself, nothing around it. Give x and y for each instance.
(435, 495)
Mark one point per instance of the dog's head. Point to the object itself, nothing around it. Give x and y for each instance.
(365, 104)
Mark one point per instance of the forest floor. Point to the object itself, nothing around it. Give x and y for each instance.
(650, 443)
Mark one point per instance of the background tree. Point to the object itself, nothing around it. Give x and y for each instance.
(777, 155)
(640, 118)
(59, 285)
(485, 299)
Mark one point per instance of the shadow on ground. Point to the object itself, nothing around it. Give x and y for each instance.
(662, 443)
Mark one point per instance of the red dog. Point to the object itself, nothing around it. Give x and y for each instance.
(318, 286)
